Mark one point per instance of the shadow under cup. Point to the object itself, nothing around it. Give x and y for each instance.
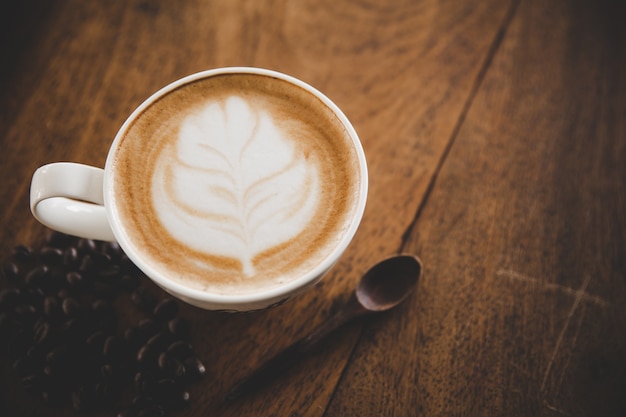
(234, 189)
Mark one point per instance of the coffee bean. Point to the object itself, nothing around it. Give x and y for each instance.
(42, 333)
(24, 366)
(109, 274)
(147, 328)
(84, 399)
(194, 367)
(75, 279)
(102, 309)
(165, 310)
(180, 328)
(180, 350)
(171, 367)
(128, 282)
(86, 264)
(52, 308)
(10, 298)
(75, 328)
(55, 395)
(160, 340)
(87, 245)
(143, 299)
(25, 311)
(36, 276)
(154, 410)
(147, 356)
(70, 257)
(114, 348)
(144, 383)
(169, 392)
(33, 383)
(23, 253)
(71, 307)
(51, 255)
(95, 341)
(12, 272)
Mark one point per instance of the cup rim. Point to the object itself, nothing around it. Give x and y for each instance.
(262, 297)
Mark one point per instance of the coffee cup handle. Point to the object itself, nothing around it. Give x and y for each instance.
(68, 197)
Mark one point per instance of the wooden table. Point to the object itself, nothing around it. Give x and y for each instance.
(495, 133)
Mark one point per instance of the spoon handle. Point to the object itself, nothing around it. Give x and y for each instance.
(289, 356)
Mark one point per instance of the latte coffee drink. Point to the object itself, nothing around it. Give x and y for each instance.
(235, 183)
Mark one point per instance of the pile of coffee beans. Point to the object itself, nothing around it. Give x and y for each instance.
(62, 327)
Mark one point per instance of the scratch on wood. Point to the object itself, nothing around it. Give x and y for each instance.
(556, 410)
(553, 287)
(579, 296)
(578, 326)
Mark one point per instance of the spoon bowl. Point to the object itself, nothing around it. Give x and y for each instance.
(388, 282)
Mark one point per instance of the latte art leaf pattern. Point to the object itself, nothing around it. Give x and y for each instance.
(235, 184)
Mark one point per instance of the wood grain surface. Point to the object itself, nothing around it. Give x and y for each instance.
(495, 133)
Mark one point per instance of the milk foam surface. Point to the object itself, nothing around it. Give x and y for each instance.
(235, 183)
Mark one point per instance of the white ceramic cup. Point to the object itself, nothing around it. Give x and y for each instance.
(76, 199)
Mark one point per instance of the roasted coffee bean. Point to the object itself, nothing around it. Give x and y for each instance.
(86, 264)
(51, 255)
(70, 257)
(12, 272)
(102, 309)
(109, 274)
(71, 307)
(23, 253)
(168, 391)
(10, 298)
(143, 299)
(180, 350)
(101, 261)
(86, 245)
(75, 279)
(127, 266)
(55, 395)
(75, 328)
(33, 383)
(154, 410)
(42, 332)
(36, 353)
(8, 326)
(36, 276)
(144, 382)
(112, 249)
(180, 328)
(52, 308)
(114, 348)
(34, 297)
(147, 328)
(128, 282)
(147, 356)
(107, 371)
(194, 368)
(129, 412)
(170, 367)
(165, 310)
(104, 290)
(84, 399)
(24, 366)
(95, 341)
(25, 311)
(160, 340)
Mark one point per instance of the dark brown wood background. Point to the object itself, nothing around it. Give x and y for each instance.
(495, 133)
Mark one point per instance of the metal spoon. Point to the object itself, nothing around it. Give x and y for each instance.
(382, 287)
